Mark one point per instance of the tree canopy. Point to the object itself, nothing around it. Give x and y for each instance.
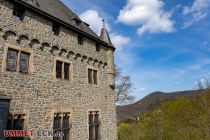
(184, 119)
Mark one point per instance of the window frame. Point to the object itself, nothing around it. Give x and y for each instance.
(60, 69)
(61, 113)
(94, 124)
(14, 114)
(16, 60)
(64, 71)
(90, 76)
(70, 75)
(19, 51)
(93, 79)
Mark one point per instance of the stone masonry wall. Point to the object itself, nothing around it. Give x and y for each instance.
(39, 94)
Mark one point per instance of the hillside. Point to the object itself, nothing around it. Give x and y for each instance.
(150, 102)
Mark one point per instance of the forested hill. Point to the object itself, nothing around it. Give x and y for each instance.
(150, 102)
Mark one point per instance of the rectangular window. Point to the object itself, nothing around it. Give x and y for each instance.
(56, 28)
(80, 39)
(97, 126)
(17, 61)
(24, 62)
(59, 69)
(61, 123)
(57, 125)
(66, 126)
(92, 76)
(66, 71)
(94, 125)
(63, 70)
(12, 60)
(95, 77)
(91, 127)
(15, 122)
(18, 12)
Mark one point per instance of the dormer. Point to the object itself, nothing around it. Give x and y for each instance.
(77, 21)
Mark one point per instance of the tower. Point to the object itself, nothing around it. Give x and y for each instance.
(110, 55)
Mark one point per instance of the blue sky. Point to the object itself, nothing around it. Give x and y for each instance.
(161, 45)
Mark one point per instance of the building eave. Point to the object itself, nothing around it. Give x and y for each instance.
(26, 5)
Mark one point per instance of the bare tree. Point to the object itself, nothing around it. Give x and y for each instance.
(203, 84)
(123, 87)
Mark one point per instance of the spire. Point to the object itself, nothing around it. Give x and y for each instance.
(104, 26)
(104, 34)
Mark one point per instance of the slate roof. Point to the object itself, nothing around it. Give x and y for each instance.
(105, 36)
(58, 10)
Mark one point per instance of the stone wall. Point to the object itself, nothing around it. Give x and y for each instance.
(39, 94)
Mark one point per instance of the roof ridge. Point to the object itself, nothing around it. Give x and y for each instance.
(58, 11)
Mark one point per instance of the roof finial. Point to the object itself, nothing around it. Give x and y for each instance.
(103, 23)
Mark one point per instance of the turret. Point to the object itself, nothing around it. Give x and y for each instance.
(110, 56)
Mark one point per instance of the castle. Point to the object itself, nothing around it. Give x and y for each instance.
(56, 74)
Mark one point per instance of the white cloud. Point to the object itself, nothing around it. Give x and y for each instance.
(148, 14)
(93, 18)
(197, 6)
(197, 11)
(119, 41)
